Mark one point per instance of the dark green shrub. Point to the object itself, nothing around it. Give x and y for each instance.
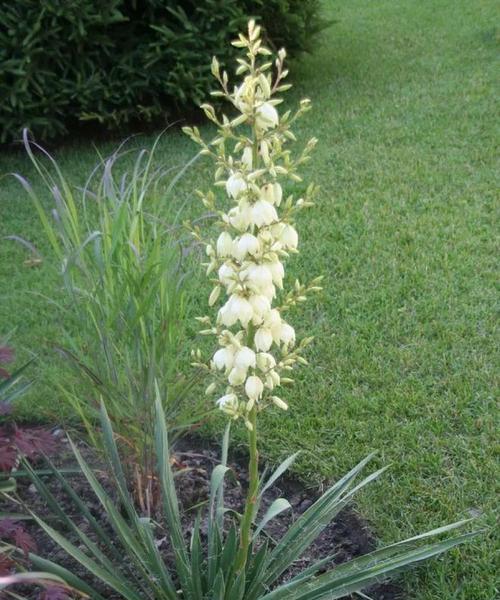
(123, 60)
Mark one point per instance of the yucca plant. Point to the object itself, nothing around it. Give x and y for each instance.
(120, 260)
(123, 553)
(234, 560)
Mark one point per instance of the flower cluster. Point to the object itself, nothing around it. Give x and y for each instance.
(257, 347)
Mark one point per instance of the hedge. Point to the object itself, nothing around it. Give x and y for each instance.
(63, 61)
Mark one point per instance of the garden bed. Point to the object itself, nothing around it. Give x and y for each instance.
(347, 537)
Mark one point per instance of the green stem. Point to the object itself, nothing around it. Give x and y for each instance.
(253, 462)
(253, 487)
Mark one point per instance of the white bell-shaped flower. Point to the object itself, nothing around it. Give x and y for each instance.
(235, 185)
(226, 274)
(241, 308)
(254, 387)
(224, 358)
(289, 238)
(273, 323)
(228, 403)
(261, 306)
(240, 217)
(287, 334)
(245, 358)
(263, 339)
(277, 272)
(226, 316)
(246, 244)
(272, 192)
(266, 116)
(257, 277)
(265, 361)
(263, 213)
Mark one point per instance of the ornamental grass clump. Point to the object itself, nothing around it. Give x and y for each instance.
(228, 556)
(124, 324)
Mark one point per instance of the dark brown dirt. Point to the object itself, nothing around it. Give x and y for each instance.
(347, 537)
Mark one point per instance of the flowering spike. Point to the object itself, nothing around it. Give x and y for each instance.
(257, 234)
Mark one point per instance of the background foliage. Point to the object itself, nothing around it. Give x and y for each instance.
(124, 60)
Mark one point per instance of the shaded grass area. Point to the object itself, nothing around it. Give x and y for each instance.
(405, 234)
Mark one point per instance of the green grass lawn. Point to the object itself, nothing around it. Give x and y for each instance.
(404, 232)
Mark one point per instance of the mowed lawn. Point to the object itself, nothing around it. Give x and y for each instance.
(405, 359)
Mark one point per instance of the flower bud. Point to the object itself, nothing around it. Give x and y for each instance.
(224, 245)
(211, 388)
(237, 376)
(279, 403)
(214, 295)
(247, 157)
